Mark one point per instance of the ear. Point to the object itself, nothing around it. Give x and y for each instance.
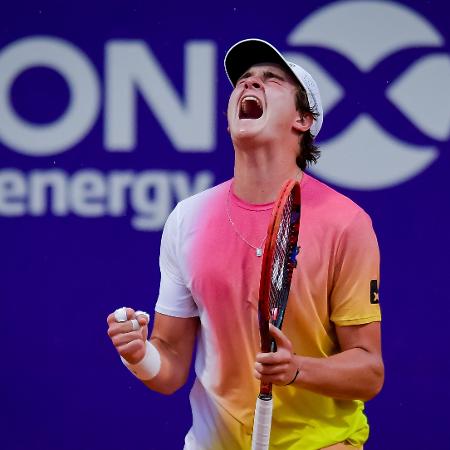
(303, 122)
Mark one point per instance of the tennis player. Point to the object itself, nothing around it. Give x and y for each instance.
(328, 359)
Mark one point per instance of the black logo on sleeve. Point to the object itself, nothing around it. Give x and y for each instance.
(374, 300)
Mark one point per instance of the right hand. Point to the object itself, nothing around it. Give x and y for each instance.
(129, 344)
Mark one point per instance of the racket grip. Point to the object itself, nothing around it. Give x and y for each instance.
(262, 424)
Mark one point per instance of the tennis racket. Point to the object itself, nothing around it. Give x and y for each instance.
(279, 260)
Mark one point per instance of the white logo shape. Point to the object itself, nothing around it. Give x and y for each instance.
(364, 156)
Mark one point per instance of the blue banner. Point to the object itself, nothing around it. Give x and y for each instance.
(112, 112)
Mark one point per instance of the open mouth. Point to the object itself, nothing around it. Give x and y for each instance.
(250, 108)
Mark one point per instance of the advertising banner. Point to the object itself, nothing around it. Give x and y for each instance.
(113, 112)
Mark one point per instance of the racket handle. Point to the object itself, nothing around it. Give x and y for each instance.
(262, 424)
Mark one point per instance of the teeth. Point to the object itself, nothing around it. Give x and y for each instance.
(251, 98)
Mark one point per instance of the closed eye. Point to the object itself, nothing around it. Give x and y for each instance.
(270, 76)
(266, 76)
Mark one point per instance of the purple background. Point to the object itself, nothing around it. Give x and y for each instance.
(62, 384)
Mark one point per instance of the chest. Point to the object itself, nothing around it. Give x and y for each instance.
(225, 269)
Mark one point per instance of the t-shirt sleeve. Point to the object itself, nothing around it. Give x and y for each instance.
(174, 297)
(354, 297)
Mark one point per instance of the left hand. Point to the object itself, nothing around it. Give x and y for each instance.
(278, 367)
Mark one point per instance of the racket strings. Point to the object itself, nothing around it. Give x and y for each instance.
(282, 267)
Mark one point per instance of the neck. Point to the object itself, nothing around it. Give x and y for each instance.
(259, 175)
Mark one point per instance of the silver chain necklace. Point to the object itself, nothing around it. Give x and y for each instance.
(259, 249)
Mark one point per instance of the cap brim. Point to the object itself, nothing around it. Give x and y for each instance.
(249, 52)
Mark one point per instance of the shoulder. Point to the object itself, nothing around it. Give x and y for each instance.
(321, 202)
(188, 211)
(205, 196)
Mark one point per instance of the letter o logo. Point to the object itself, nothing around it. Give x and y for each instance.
(81, 113)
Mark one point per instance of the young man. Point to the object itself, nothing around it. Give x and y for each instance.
(210, 268)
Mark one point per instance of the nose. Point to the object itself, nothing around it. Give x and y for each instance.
(253, 82)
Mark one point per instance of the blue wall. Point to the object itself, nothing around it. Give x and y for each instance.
(87, 182)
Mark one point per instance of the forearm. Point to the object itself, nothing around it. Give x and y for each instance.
(174, 339)
(351, 374)
(173, 372)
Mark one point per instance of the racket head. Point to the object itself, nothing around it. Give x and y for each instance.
(279, 261)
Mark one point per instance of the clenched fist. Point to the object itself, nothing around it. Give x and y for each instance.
(129, 334)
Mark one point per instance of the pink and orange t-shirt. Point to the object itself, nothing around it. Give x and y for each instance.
(209, 271)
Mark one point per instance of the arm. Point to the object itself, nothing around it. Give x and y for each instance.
(174, 339)
(357, 372)
(164, 362)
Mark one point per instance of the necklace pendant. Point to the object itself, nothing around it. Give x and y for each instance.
(259, 252)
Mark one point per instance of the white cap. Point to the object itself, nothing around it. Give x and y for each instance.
(248, 52)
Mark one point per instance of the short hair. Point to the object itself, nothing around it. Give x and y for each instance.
(309, 151)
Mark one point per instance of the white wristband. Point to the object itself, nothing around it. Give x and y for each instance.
(148, 367)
